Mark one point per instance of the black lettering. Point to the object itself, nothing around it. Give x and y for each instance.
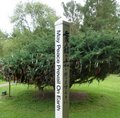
(58, 36)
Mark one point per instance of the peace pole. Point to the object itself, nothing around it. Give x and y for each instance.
(62, 68)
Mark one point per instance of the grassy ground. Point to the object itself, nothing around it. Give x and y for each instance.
(98, 100)
(2, 81)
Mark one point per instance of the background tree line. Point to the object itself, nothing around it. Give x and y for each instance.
(27, 55)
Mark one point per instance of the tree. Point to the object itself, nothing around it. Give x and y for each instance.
(3, 35)
(95, 48)
(33, 63)
(73, 12)
(29, 56)
(100, 15)
(96, 15)
(32, 15)
(94, 55)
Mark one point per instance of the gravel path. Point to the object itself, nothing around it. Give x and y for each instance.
(5, 84)
(2, 85)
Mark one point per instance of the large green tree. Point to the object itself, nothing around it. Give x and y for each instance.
(101, 14)
(95, 15)
(73, 12)
(3, 35)
(30, 56)
(32, 15)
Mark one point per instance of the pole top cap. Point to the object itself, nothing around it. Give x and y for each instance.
(61, 21)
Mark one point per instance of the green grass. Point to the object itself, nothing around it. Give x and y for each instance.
(103, 100)
(97, 100)
(2, 81)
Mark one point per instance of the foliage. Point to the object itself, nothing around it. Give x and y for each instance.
(3, 35)
(93, 56)
(33, 63)
(31, 15)
(97, 15)
(101, 15)
(73, 12)
(1, 48)
(95, 44)
(28, 55)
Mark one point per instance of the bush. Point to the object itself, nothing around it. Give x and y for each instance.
(34, 63)
(93, 55)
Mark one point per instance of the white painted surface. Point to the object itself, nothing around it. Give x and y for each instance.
(61, 69)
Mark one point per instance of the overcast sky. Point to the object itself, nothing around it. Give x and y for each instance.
(7, 8)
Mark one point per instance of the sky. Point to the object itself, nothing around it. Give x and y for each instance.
(7, 9)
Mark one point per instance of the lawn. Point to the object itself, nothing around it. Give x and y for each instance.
(2, 81)
(97, 100)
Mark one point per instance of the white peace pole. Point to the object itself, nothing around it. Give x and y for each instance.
(62, 69)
